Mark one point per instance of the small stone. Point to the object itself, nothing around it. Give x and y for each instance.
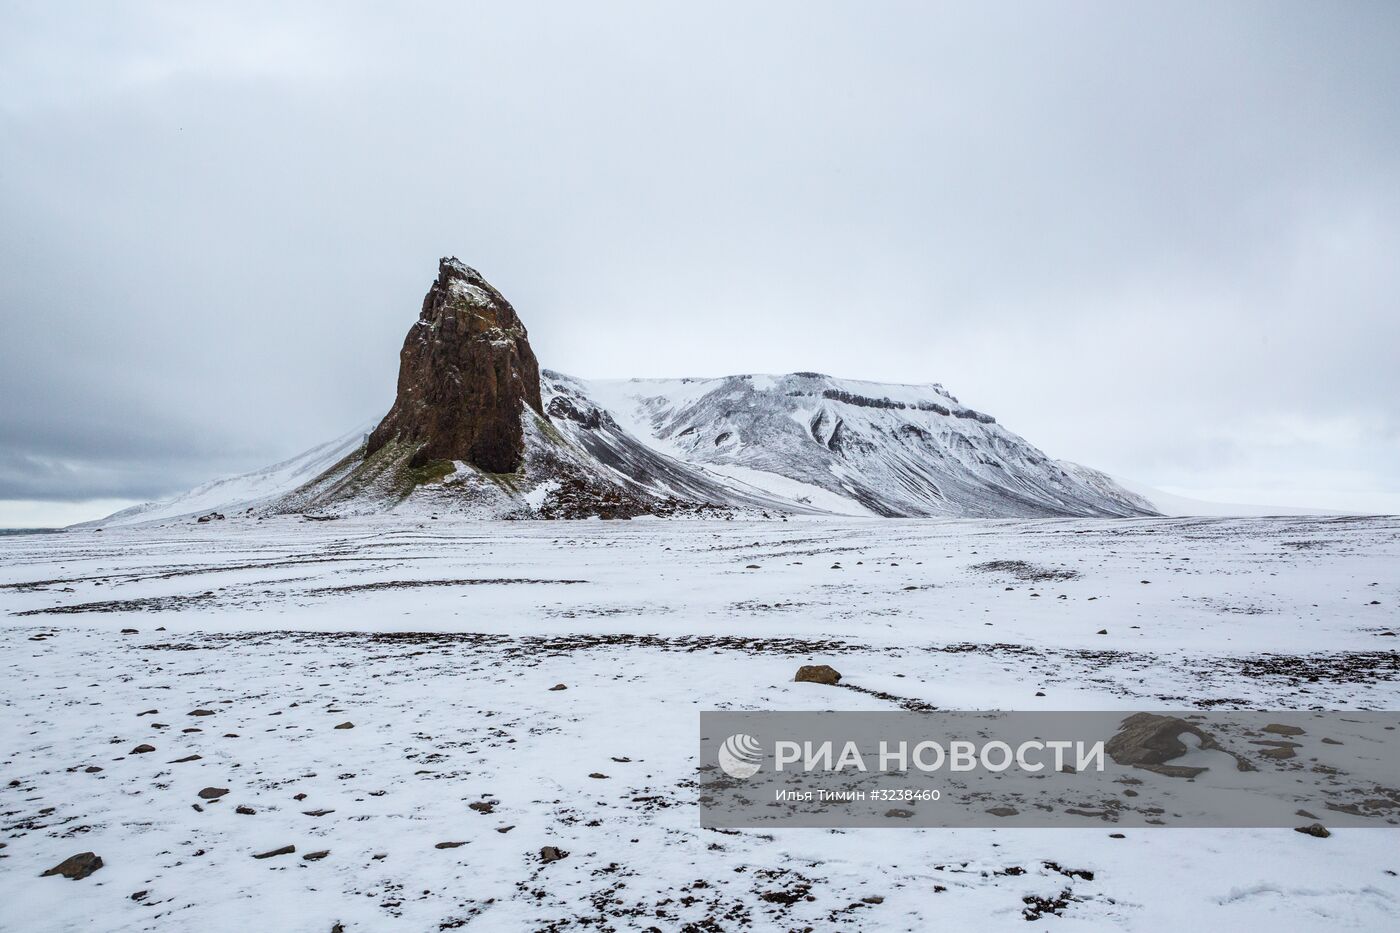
(1102, 631)
(316, 812)
(143, 749)
(559, 687)
(598, 775)
(552, 854)
(1279, 754)
(481, 806)
(1313, 829)
(898, 814)
(245, 810)
(76, 867)
(872, 899)
(212, 793)
(201, 712)
(180, 761)
(316, 856)
(1278, 729)
(449, 845)
(504, 829)
(817, 674)
(1003, 811)
(346, 725)
(1117, 836)
(1327, 741)
(92, 769)
(285, 850)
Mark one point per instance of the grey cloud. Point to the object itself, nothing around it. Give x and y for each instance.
(1142, 235)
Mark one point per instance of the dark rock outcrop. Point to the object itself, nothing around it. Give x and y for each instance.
(466, 372)
(561, 406)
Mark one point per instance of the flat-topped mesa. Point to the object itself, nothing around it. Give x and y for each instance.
(466, 372)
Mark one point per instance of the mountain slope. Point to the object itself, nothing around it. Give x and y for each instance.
(255, 490)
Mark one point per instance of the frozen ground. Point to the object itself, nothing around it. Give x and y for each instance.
(441, 642)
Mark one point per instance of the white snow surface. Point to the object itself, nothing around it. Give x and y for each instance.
(440, 642)
(790, 489)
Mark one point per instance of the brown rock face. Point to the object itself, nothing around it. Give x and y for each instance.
(465, 372)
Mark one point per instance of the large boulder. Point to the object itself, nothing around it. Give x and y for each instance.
(818, 674)
(1149, 741)
(466, 373)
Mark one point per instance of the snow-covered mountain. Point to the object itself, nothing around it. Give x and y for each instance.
(478, 429)
(801, 443)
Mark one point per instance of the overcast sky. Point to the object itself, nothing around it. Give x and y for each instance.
(1162, 240)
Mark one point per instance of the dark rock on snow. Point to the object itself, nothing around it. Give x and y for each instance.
(284, 850)
(817, 674)
(76, 867)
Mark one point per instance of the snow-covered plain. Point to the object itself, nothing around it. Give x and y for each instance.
(440, 642)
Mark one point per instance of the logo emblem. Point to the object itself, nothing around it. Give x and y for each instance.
(740, 756)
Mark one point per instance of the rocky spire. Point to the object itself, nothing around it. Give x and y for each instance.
(466, 372)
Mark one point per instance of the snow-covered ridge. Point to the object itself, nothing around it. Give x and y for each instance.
(891, 449)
